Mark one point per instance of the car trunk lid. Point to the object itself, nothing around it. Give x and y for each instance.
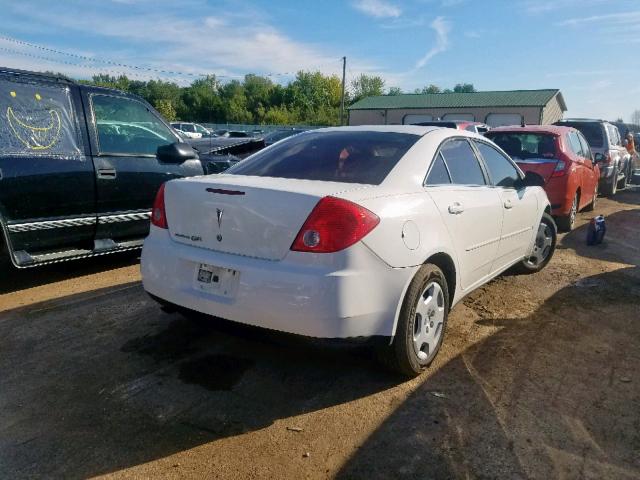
(251, 216)
(542, 166)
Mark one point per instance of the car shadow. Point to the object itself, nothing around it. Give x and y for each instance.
(620, 243)
(94, 383)
(552, 395)
(18, 279)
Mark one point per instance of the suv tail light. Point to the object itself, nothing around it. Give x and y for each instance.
(333, 225)
(560, 169)
(158, 214)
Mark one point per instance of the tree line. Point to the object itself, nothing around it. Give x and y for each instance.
(311, 98)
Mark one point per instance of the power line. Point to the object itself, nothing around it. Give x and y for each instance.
(117, 64)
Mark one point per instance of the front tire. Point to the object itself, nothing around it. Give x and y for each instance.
(543, 248)
(421, 324)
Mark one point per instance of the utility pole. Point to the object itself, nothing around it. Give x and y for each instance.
(344, 70)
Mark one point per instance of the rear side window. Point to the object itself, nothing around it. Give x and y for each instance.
(592, 131)
(585, 147)
(574, 143)
(127, 127)
(524, 145)
(438, 175)
(462, 162)
(503, 172)
(37, 119)
(338, 156)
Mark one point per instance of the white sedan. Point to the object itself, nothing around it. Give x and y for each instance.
(372, 231)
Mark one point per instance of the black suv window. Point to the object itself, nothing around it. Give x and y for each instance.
(38, 119)
(462, 162)
(592, 131)
(338, 156)
(127, 126)
(502, 171)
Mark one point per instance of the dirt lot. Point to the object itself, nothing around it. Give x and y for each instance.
(539, 377)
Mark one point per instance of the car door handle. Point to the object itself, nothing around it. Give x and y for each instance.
(107, 173)
(456, 208)
(508, 205)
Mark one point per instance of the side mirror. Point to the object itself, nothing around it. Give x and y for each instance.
(531, 179)
(176, 153)
(598, 157)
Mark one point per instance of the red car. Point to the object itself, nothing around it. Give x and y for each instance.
(561, 155)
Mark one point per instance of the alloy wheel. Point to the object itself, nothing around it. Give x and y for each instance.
(542, 246)
(429, 321)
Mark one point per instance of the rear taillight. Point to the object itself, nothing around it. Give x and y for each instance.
(560, 169)
(607, 158)
(158, 214)
(333, 225)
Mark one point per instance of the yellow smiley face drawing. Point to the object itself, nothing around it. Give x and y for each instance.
(42, 136)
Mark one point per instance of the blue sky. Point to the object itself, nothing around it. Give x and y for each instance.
(587, 48)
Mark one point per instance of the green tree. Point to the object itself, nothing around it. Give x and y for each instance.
(394, 91)
(165, 108)
(464, 88)
(202, 101)
(366, 86)
(315, 97)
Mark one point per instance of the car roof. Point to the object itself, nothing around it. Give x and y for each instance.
(582, 120)
(411, 129)
(551, 129)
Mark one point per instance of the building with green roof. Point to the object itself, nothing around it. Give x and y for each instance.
(496, 108)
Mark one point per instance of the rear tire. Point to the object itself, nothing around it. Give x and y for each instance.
(566, 223)
(592, 205)
(421, 324)
(544, 247)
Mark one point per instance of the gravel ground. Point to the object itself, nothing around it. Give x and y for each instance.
(539, 377)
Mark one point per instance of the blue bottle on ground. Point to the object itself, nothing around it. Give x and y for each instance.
(597, 229)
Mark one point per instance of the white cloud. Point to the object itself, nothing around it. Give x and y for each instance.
(229, 44)
(442, 28)
(378, 8)
(611, 18)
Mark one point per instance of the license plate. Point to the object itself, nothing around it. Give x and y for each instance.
(218, 280)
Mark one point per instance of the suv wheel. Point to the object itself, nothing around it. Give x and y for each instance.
(566, 223)
(622, 184)
(421, 324)
(611, 187)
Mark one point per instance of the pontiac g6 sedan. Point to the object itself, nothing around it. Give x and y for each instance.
(349, 232)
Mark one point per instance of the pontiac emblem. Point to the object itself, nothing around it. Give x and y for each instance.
(219, 213)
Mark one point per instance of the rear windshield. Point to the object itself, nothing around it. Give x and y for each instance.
(592, 131)
(339, 156)
(438, 124)
(525, 145)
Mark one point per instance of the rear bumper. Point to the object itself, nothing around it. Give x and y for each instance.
(560, 195)
(350, 294)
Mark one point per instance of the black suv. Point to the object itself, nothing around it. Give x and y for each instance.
(606, 144)
(80, 167)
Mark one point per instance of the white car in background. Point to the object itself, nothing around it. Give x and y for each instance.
(191, 130)
(371, 231)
